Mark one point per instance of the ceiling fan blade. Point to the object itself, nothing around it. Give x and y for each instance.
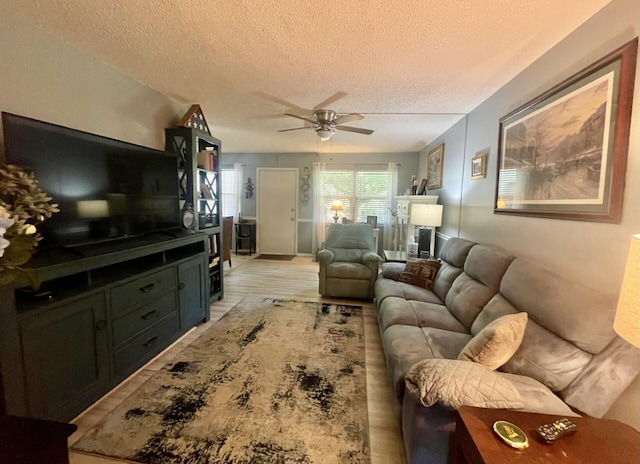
(354, 129)
(280, 101)
(295, 128)
(348, 118)
(304, 118)
(329, 101)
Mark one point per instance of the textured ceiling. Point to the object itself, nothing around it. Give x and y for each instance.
(412, 68)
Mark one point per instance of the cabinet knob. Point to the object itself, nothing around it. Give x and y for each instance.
(101, 325)
(181, 286)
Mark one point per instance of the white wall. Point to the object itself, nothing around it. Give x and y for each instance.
(46, 79)
(587, 252)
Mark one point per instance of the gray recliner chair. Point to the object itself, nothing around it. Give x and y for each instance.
(348, 261)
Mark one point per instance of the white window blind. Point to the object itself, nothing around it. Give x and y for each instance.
(362, 194)
(228, 192)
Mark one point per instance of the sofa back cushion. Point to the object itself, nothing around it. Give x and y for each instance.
(452, 256)
(542, 355)
(569, 344)
(470, 292)
(578, 314)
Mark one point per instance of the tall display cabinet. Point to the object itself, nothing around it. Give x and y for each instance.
(200, 190)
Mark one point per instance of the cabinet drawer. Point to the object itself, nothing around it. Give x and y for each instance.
(141, 290)
(145, 316)
(144, 346)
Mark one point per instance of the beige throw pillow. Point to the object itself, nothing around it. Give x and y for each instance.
(457, 383)
(497, 342)
(420, 272)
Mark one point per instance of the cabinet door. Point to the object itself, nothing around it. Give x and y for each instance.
(192, 289)
(66, 358)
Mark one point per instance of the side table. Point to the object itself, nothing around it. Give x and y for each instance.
(597, 441)
(392, 256)
(33, 441)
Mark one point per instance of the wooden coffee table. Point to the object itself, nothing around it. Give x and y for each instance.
(598, 441)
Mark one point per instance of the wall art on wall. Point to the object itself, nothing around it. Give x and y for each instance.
(434, 167)
(479, 165)
(564, 154)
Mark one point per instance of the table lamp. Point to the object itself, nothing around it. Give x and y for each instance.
(627, 321)
(336, 206)
(427, 217)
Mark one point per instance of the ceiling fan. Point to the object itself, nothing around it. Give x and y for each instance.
(326, 122)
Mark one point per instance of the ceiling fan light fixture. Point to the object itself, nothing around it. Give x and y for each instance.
(324, 134)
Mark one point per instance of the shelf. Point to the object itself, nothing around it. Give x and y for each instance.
(200, 186)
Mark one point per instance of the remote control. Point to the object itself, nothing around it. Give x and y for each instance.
(551, 432)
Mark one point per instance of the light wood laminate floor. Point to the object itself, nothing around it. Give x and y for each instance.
(297, 279)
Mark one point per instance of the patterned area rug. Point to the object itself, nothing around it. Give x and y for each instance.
(273, 381)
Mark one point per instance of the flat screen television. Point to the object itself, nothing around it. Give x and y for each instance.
(107, 189)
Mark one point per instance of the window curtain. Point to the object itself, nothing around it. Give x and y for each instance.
(389, 220)
(318, 218)
(239, 185)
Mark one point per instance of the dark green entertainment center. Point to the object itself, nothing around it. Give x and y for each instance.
(105, 309)
(108, 313)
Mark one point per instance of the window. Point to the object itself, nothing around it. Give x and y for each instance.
(228, 201)
(362, 194)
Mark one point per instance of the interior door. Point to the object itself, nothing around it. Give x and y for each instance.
(277, 201)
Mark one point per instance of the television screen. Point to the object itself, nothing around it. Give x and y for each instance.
(106, 188)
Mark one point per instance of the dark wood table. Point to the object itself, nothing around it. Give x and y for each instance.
(597, 441)
(33, 441)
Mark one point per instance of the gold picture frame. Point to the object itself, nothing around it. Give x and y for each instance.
(479, 166)
(434, 167)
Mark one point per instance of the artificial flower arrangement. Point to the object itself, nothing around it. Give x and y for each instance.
(23, 205)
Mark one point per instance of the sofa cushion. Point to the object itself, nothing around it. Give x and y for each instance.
(497, 342)
(405, 345)
(420, 272)
(466, 299)
(484, 267)
(537, 397)
(395, 311)
(454, 383)
(452, 256)
(576, 313)
(343, 270)
(487, 264)
(385, 288)
(557, 365)
(455, 251)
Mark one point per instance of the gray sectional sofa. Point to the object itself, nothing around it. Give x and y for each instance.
(570, 360)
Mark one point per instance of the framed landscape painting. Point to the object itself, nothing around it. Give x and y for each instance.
(434, 167)
(564, 154)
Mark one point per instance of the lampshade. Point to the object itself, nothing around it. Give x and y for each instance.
(324, 134)
(93, 209)
(426, 215)
(336, 206)
(627, 322)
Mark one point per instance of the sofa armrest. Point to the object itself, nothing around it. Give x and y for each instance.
(392, 270)
(325, 256)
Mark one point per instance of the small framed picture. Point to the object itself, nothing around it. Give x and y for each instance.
(423, 187)
(479, 166)
(372, 221)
